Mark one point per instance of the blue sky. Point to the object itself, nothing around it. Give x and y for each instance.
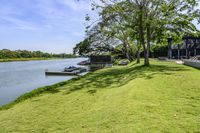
(46, 25)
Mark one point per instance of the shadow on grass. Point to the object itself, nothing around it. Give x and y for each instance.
(109, 78)
(116, 77)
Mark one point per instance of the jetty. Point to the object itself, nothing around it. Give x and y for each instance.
(75, 72)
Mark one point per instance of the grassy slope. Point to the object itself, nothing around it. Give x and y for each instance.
(162, 98)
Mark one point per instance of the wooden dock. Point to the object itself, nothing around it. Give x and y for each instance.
(73, 73)
(61, 73)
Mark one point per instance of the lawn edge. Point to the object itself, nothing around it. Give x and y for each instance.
(41, 90)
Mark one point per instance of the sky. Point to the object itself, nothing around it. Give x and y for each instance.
(53, 26)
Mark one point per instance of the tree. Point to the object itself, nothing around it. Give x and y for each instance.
(8, 54)
(95, 43)
(150, 21)
(83, 48)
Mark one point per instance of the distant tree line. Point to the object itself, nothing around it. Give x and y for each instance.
(9, 54)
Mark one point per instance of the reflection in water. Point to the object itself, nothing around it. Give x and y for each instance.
(17, 78)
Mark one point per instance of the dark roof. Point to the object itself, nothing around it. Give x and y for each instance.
(183, 46)
(190, 37)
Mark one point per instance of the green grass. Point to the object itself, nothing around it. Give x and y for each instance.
(164, 97)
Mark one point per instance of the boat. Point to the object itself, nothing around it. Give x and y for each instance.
(71, 68)
(83, 63)
(123, 63)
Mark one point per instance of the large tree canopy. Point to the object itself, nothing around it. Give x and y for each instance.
(142, 23)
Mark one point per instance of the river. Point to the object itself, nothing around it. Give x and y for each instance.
(17, 78)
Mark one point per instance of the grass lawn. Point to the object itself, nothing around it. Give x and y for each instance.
(162, 98)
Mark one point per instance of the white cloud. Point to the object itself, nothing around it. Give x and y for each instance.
(50, 14)
(38, 23)
(19, 24)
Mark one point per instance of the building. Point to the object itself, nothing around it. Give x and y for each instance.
(189, 48)
(100, 59)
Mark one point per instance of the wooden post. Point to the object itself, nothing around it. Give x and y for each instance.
(195, 51)
(169, 48)
(195, 48)
(186, 50)
(178, 51)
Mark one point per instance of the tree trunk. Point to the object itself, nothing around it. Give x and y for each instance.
(138, 52)
(148, 45)
(130, 52)
(145, 55)
(144, 46)
(138, 55)
(126, 51)
(128, 55)
(141, 29)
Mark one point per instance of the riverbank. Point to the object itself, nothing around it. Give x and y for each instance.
(17, 78)
(161, 98)
(46, 89)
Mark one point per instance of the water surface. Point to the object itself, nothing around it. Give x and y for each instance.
(17, 78)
